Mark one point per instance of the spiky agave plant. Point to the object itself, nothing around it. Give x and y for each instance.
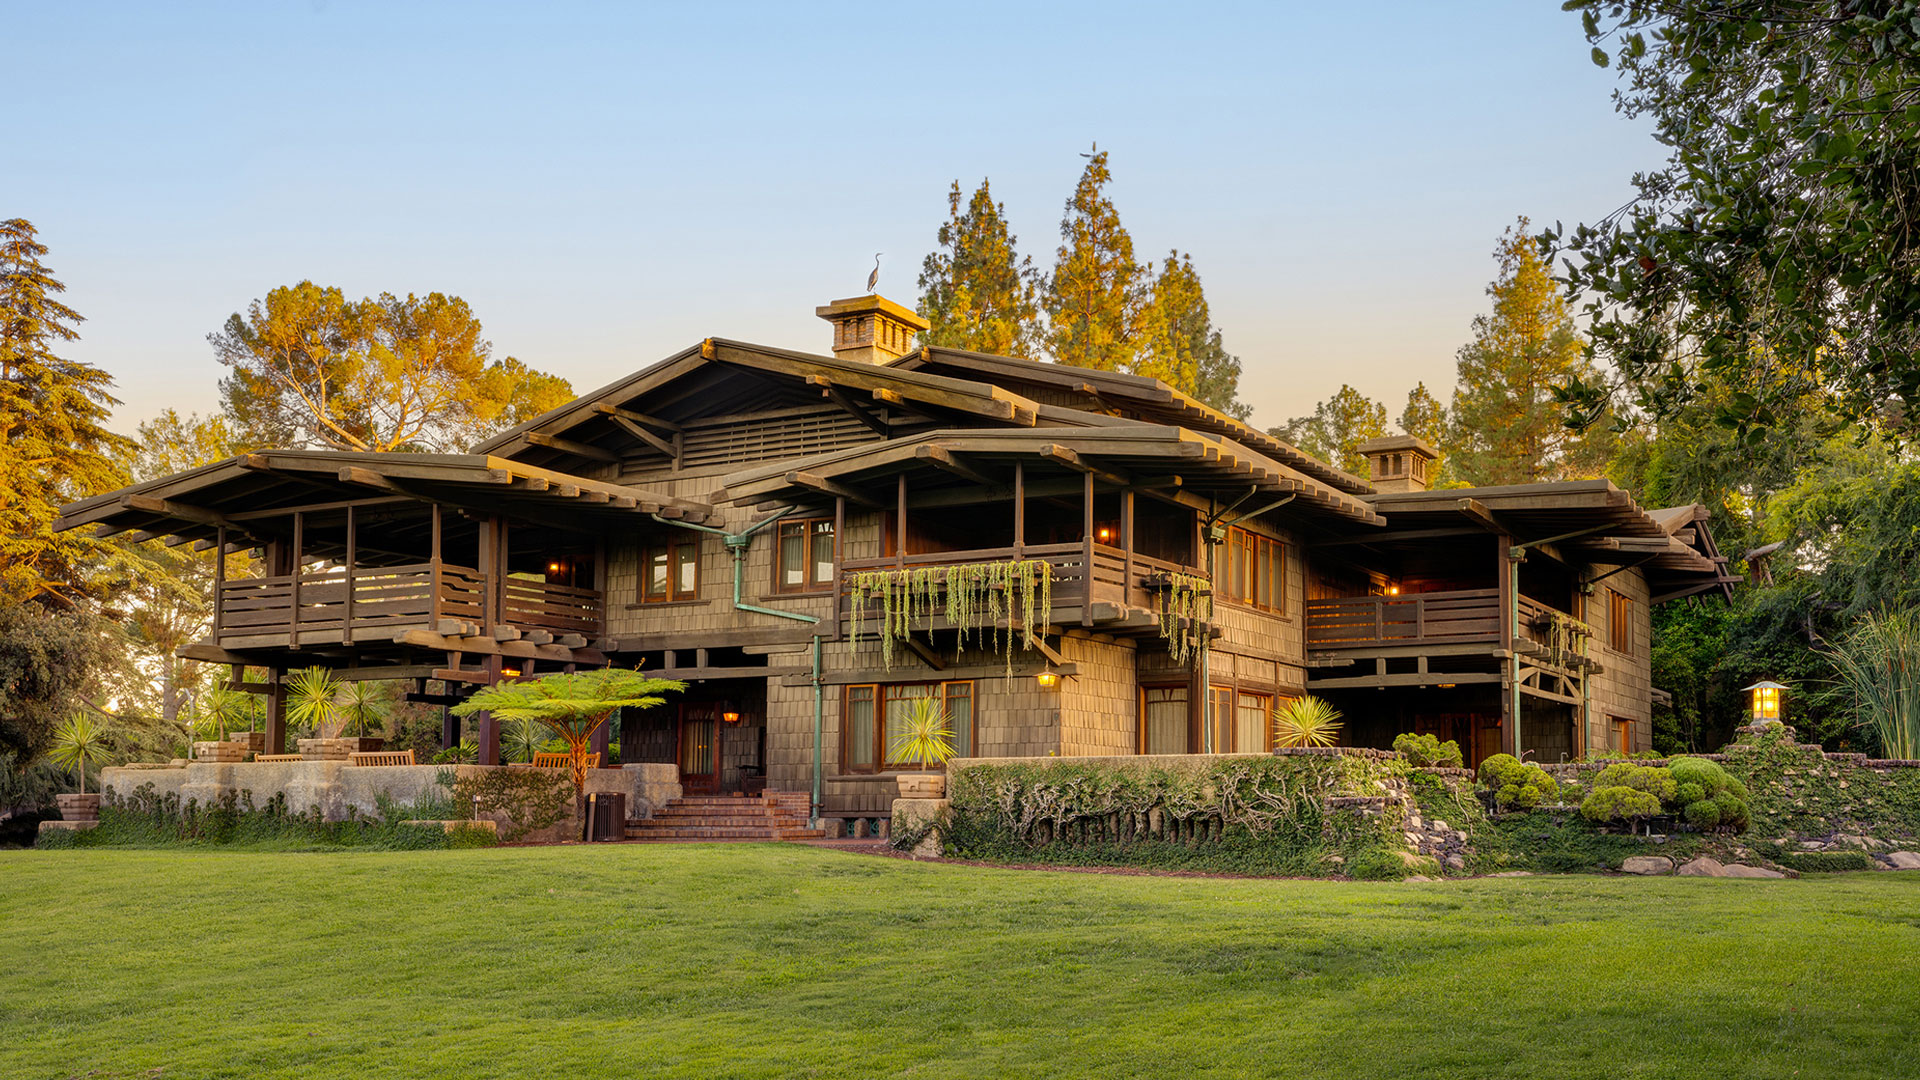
(313, 698)
(572, 706)
(362, 702)
(1306, 721)
(925, 734)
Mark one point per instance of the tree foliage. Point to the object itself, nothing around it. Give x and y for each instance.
(54, 446)
(1181, 347)
(1506, 425)
(1775, 251)
(45, 659)
(975, 289)
(1337, 427)
(1426, 418)
(574, 705)
(308, 367)
(1097, 293)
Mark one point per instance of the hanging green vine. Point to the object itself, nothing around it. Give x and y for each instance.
(996, 605)
(1566, 637)
(1188, 599)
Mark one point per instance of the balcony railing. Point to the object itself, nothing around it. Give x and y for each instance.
(1077, 583)
(375, 603)
(1462, 616)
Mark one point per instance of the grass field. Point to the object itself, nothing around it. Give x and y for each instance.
(787, 961)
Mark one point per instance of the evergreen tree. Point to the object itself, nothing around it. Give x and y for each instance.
(1426, 418)
(1336, 429)
(1181, 346)
(1097, 293)
(1506, 426)
(54, 447)
(975, 290)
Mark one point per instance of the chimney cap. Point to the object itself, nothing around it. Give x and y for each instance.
(873, 303)
(1390, 443)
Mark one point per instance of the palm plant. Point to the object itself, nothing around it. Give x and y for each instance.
(1880, 661)
(573, 706)
(924, 734)
(1306, 721)
(78, 744)
(226, 709)
(361, 703)
(313, 699)
(524, 738)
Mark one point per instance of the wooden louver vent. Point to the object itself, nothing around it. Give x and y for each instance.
(739, 440)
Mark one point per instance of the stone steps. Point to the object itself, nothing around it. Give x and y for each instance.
(776, 816)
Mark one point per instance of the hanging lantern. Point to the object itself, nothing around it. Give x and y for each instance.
(1766, 700)
(1048, 679)
(729, 713)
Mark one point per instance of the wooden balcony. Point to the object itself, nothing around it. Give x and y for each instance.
(343, 606)
(1092, 583)
(1437, 621)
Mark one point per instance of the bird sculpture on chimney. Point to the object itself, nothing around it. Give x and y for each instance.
(873, 279)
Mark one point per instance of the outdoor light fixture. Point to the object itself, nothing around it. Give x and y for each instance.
(1393, 590)
(510, 672)
(1104, 535)
(1048, 679)
(730, 717)
(1766, 700)
(553, 568)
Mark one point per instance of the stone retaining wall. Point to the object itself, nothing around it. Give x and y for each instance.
(338, 789)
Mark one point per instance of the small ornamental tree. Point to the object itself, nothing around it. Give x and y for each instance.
(1428, 750)
(1707, 795)
(78, 744)
(1623, 804)
(925, 735)
(1516, 785)
(573, 706)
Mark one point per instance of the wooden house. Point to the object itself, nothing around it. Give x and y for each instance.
(728, 516)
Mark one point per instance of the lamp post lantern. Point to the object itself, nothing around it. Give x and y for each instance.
(1766, 700)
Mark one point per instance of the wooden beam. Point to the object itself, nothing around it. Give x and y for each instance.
(1061, 455)
(815, 482)
(1434, 678)
(354, 474)
(926, 654)
(840, 397)
(183, 511)
(670, 448)
(571, 446)
(942, 458)
(605, 408)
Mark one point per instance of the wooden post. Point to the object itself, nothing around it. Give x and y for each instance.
(500, 557)
(486, 728)
(449, 729)
(1019, 510)
(276, 711)
(346, 621)
(488, 615)
(293, 625)
(1086, 546)
(1126, 547)
(433, 583)
(219, 580)
(600, 583)
(839, 539)
(602, 737)
(900, 525)
(1509, 722)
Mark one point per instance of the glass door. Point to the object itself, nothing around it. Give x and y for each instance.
(698, 747)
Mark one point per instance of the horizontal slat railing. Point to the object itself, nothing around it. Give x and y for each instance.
(557, 609)
(1466, 615)
(385, 599)
(1071, 573)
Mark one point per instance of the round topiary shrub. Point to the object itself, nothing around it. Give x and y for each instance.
(1702, 784)
(1652, 779)
(1703, 813)
(1428, 750)
(1619, 803)
(1516, 785)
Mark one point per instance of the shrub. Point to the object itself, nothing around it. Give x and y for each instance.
(1703, 813)
(1516, 785)
(1305, 721)
(1707, 795)
(1381, 864)
(1825, 862)
(1619, 803)
(530, 799)
(1654, 780)
(1428, 750)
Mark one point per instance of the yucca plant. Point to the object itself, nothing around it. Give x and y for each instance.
(523, 739)
(313, 699)
(1880, 661)
(1306, 721)
(78, 744)
(361, 703)
(924, 734)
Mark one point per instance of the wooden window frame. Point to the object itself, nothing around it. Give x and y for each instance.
(1140, 713)
(810, 539)
(1620, 622)
(880, 696)
(1266, 723)
(1255, 563)
(678, 552)
(1621, 724)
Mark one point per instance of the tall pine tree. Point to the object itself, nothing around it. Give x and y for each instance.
(1336, 428)
(1181, 347)
(54, 447)
(975, 290)
(1426, 418)
(1097, 294)
(1506, 426)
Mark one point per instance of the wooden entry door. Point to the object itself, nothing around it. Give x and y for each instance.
(699, 748)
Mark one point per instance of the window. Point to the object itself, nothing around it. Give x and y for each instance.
(1163, 720)
(670, 571)
(1256, 571)
(1622, 734)
(805, 560)
(874, 714)
(1220, 715)
(1251, 731)
(1620, 622)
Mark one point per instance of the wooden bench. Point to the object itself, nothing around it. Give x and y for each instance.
(387, 757)
(278, 757)
(562, 761)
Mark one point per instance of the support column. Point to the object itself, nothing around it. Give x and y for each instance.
(603, 738)
(486, 728)
(449, 729)
(276, 711)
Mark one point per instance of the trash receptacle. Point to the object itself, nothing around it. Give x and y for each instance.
(607, 815)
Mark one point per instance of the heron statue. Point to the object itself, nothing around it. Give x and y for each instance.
(873, 279)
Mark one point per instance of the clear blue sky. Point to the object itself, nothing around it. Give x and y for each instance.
(606, 184)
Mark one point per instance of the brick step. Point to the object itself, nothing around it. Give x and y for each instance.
(717, 822)
(725, 834)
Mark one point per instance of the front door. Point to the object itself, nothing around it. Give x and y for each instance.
(699, 748)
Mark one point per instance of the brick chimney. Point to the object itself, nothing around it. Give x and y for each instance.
(1399, 463)
(871, 328)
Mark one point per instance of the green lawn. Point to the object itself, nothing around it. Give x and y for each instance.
(786, 961)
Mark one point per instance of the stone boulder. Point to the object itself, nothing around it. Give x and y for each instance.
(1740, 870)
(1900, 860)
(1702, 867)
(1646, 865)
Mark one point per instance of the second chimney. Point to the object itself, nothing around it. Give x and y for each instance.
(872, 329)
(1399, 463)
